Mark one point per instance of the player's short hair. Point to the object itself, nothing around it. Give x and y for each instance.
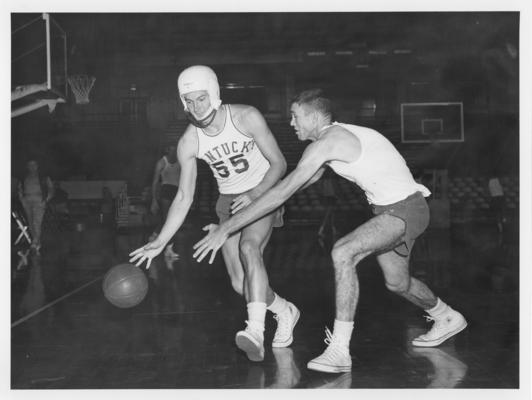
(315, 99)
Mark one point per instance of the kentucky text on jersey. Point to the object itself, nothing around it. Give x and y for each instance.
(226, 149)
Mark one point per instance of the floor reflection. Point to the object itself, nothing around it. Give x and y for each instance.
(333, 381)
(448, 371)
(287, 374)
(34, 296)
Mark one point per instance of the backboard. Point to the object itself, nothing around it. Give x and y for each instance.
(432, 122)
(38, 62)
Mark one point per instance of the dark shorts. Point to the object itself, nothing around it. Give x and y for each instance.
(414, 211)
(168, 192)
(223, 210)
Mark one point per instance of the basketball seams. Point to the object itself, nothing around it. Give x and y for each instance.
(125, 285)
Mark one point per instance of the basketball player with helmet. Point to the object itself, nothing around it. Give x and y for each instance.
(237, 144)
(365, 157)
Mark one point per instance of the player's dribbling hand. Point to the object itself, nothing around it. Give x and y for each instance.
(211, 242)
(146, 253)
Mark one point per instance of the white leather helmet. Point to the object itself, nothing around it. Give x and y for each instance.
(199, 77)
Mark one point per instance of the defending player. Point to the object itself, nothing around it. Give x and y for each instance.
(367, 158)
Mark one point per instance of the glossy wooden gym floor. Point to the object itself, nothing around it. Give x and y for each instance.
(65, 335)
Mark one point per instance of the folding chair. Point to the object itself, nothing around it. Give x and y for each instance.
(23, 235)
(19, 219)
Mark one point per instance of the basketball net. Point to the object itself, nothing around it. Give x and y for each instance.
(81, 86)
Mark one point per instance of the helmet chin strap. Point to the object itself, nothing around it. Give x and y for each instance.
(204, 122)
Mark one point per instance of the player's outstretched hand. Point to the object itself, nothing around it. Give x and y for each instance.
(146, 253)
(210, 243)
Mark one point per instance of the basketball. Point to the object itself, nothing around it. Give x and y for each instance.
(125, 285)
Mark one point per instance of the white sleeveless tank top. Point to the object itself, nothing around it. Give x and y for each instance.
(170, 173)
(234, 158)
(380, 170)
(495, 187)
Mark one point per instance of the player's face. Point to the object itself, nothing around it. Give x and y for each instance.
(170, 150)
(198, 103)
(303, 121)
(171, 153)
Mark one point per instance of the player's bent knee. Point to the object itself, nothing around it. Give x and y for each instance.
(342, 255)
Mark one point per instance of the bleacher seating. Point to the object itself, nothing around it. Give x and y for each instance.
(91, 189)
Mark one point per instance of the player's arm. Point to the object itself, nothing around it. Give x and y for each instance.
(314, 178)
(186, 155)
(337, 144)
(311, 161)
(253, 124)
(50, 188)
(341, 146)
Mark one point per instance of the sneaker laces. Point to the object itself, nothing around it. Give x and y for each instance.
(334, 348)
(438, 322)
(328, 336)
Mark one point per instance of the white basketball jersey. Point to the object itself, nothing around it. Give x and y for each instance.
(380, 170)
(495, 187)
(234, 158)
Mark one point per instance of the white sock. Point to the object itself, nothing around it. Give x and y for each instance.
(278, 304)
(342, 331)
(439, 309)
(257, 315)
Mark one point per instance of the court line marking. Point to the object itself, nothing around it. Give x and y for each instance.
(32, 314)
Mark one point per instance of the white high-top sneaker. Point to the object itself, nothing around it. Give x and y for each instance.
(286, 321)
(335, 358)
(251, 341)
(445, 326)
